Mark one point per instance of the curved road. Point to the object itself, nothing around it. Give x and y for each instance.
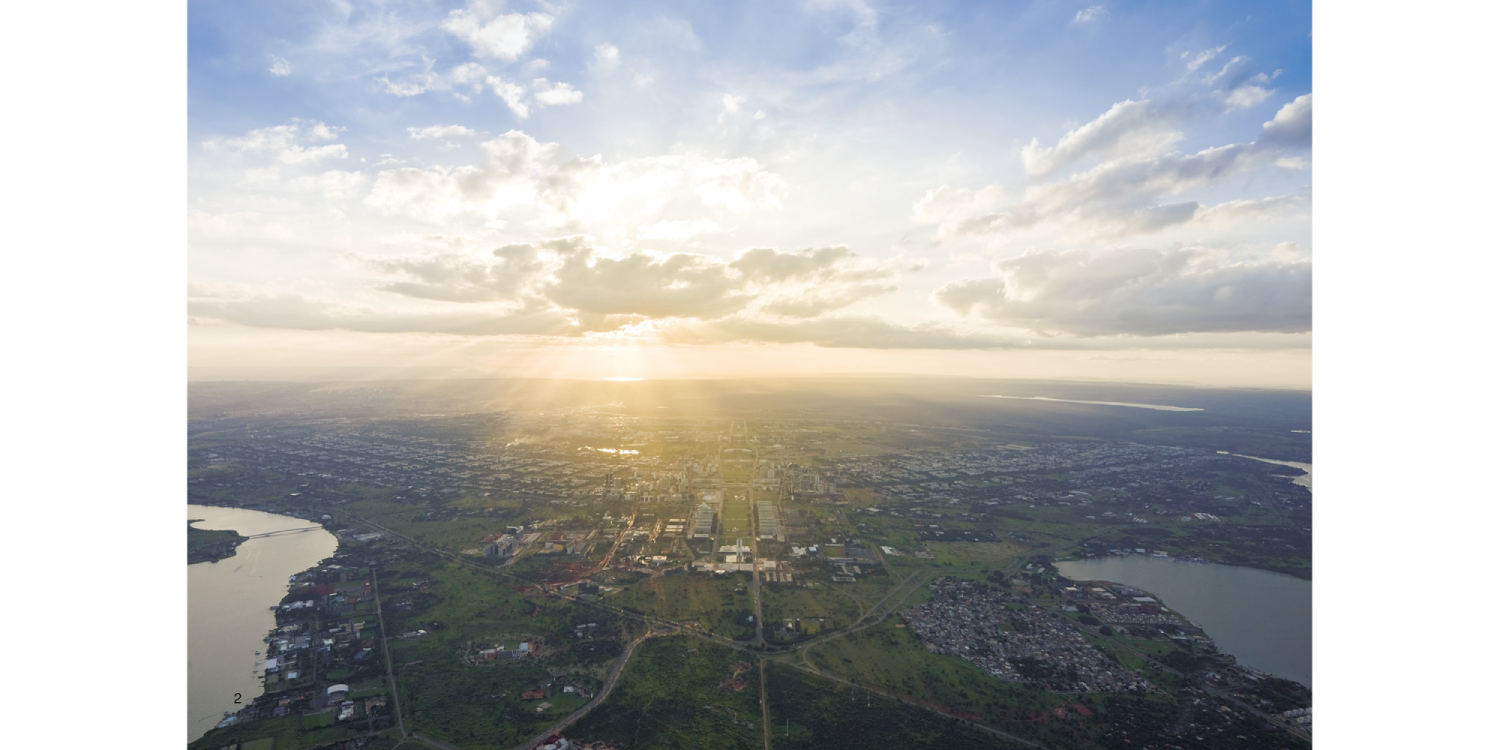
(609, 684)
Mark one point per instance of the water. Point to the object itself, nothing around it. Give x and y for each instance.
(229, 606)
(1157, 407)
(1263, 618)
(1304, 480)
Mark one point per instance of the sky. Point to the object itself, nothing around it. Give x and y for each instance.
(1117, 191)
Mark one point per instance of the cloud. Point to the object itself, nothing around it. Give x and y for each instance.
(958, 212)
(1233, 212)
(505, 36)
(1129, 128)
(730, 106)
(606, 57)
(457, 277)
(434, 132)
(670, 286)
(1238, 87)
(1247, 96)
(678, 230)
(294, 311)
(1090, 14)
(279, 67)
(552, 95)
(576, 277)
(1291, 128)
(765, 265)
(404, 88)
(286, 144)
(1196, 61)
(738, 184)
(1128, 193)
(817, 301)
(515, 162)
(334, 184)
(513, 94)
(834, 333)
(519, 171)
(1139, 292)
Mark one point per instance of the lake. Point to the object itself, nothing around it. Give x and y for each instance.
(229, 605)
(1263, 618)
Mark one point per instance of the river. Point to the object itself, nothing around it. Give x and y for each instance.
(229, 605)
(1264, 619)
(1305, 480)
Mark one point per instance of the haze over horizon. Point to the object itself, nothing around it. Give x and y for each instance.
(1095, 192)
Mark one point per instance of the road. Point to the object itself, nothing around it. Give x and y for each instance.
(609, 684)
(385, 650)
(765, 707)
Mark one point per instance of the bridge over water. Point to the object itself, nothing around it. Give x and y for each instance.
(285, 531)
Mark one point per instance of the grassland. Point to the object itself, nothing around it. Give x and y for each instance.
(892, 658)
(737, 471)
(720, 603)
(480, 706)
(211, 546)
(671, 695)
(734, 519)
(809, 712)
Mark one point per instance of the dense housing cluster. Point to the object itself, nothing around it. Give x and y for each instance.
(1015, 641)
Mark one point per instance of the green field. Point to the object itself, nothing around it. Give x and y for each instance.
(810, 611)
(204, 545)
(809, 712)
(734, 519)
(719, 603)
(893, 659)
(671, 696)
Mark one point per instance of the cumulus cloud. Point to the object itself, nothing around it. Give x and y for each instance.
(1129, 192)
(1247, 96)
(469, 76)
(457, 277)
(292, 143)
(738, 184)
(1238, 86)
(766, 265)
(513, 94)
(606, 57)
(434, 132)
(505, 36)
(555, 94)
(572, 275)
(518, 170)
(670, 286)
(1233, 212)
(1138, 291)
(279, 67)
(515, 162)
(1291, 128)
(1131, 128)
(818, 301)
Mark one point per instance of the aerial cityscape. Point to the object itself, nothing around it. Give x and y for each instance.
(804, 374)
(628, 574)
